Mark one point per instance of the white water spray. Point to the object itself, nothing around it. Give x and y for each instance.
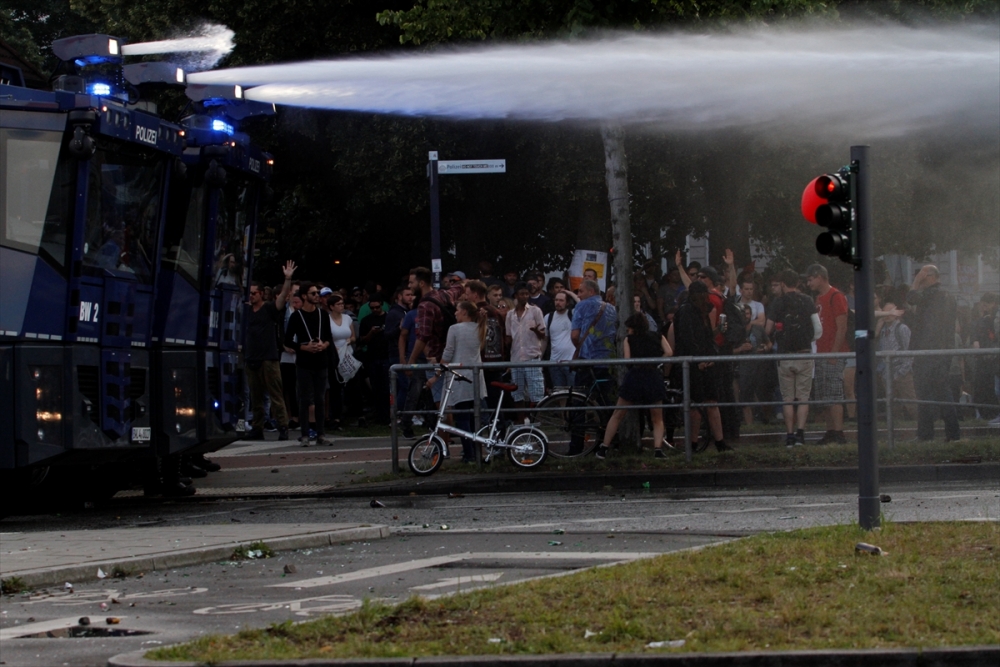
(205, 47)
(874, 81)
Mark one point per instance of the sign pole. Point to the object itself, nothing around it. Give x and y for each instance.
(869, 507)
(432, 174)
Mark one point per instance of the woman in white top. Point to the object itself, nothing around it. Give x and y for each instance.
(341, 323)
(463, 346)
(342, 328)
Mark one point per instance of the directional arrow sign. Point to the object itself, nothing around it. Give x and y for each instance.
(458, 581)
(447, 167)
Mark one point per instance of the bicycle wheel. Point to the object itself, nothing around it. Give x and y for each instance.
(426, 455)
(527, 448)
(570, 432)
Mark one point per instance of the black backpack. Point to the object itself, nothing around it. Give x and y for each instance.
(447, 311)
(736, 325)
(797, 331)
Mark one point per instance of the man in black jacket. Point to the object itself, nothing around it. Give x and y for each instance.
(933, 328)
(261, 355)
(308, 333)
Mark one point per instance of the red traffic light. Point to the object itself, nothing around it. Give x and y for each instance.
(826, 200)
(811, 201)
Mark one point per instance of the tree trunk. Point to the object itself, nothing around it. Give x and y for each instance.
(616, 174)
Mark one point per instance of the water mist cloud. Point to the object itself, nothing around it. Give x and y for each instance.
(873, 81)
(204, 48)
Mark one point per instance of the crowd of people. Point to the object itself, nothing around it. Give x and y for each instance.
(318, 356)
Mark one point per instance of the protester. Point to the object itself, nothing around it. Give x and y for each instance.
(642, 384)
(309, 335)
(831, 305)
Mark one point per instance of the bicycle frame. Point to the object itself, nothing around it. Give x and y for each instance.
(441, 427)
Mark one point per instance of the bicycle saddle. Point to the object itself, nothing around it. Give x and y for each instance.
(504, 386)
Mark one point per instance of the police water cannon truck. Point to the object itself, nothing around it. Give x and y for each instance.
(124, 253)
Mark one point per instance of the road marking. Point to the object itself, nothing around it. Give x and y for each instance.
(458, 581)
(330, 604)
(370, 572)
(422, 563)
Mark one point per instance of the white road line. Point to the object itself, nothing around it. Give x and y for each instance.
(444, 560)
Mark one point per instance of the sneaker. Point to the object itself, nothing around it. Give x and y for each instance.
(994, 422)
(270, 426)
(283, 433)
(800, 437)
(304, 441)
(320, 440)
(790, 440)
(601, 452)
(658, 454)
(312, 434)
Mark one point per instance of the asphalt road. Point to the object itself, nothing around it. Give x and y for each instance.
(439, 545)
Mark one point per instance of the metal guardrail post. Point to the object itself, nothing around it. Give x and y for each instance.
(686, 386)
(476, 411)
(393, 408)
(890, 431)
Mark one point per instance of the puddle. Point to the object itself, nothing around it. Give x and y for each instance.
(85, 631)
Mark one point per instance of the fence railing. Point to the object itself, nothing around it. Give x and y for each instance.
(687, 405)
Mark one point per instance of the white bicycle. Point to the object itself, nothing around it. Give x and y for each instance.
(525, 444)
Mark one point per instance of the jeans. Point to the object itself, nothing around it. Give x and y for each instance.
(928, 380)
(561, 377)
(311, 386)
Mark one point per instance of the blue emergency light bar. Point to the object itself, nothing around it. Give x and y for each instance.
(222, 126)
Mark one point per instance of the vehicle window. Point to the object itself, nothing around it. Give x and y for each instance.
(37, 195)
(123, 209)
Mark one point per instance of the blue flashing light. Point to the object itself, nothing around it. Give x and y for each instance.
(99, 89)
(215, 404)
(223, 126)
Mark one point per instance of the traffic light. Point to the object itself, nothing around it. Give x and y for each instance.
(828, 201)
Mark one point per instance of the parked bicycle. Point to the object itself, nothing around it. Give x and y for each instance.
(525, 444)
(571, 419)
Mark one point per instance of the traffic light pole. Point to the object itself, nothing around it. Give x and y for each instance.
(869, 507)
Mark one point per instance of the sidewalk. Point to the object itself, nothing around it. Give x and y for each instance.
(54, 558)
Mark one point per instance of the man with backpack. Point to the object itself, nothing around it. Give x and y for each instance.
(730, 333)
(831, 305)
(435, 315)
(794, 324)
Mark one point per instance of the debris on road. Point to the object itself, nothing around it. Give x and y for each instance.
(674, 643)
(290, 569)
(376, 503)
(865, 548)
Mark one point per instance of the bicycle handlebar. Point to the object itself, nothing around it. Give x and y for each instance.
(458, 376)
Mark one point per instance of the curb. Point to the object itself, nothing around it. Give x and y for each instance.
(966, 656)
(544, 481)
(79, 573)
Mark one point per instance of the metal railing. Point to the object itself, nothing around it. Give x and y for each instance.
(687, 405)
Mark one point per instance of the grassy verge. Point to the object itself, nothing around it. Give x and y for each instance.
(807, 589)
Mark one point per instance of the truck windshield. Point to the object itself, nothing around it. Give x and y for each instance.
(36, 197)
(185, 231)
(123, 212)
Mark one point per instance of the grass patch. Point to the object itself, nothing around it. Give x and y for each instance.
(784, 591)
(252, 551)
(12, 586)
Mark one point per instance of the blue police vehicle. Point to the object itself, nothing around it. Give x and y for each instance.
(125, 253)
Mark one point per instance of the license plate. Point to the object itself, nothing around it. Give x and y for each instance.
(142, 434)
